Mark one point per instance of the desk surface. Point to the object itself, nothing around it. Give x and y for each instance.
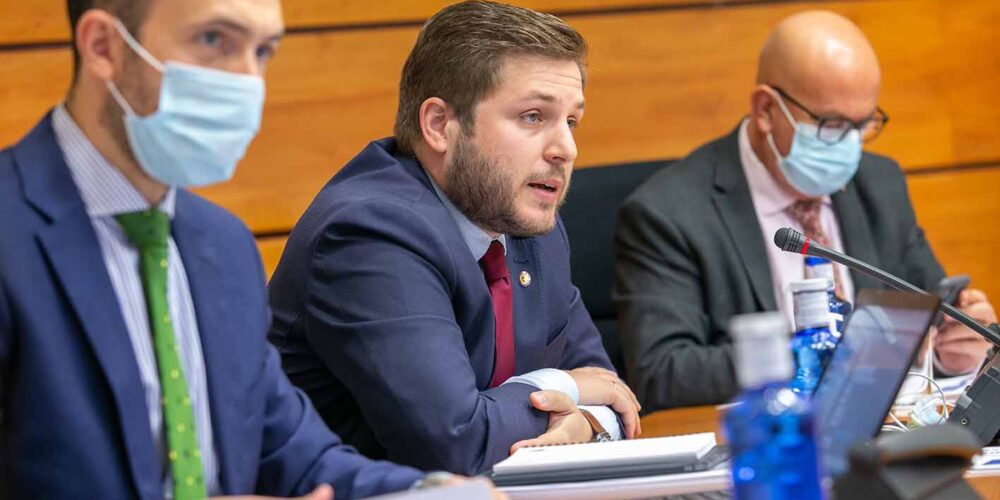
(706, 419)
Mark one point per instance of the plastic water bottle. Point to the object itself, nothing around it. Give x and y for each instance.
(813, 341)
(770, 429)
(818, 267)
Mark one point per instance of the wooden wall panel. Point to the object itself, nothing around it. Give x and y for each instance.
(960, 214)
(270, 252)
(958, 211)
(662, 82)
(44, 21)
(33, 21)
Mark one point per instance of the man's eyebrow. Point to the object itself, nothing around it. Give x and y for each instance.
(542, 96)
(240, 27)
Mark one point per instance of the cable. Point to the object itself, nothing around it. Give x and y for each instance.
(943, 398)
(899, 425)
(919, 414)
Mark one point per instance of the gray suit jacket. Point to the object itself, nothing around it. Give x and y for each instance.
(690, 255)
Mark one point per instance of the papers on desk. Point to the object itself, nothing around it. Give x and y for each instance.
(468, 490)
(988, 460)
(953, 388)
(636, 487)
(609, 460)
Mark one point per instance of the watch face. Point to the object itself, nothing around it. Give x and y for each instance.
(602, 437)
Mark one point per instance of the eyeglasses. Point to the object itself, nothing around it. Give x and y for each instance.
(833, 130)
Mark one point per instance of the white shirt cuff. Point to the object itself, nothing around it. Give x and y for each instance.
(550, 379)
(608, 419)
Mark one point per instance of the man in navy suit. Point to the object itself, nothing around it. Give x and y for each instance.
(425, 295)
(133, 314)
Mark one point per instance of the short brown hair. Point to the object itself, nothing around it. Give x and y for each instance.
(131, 13)
(460, 52)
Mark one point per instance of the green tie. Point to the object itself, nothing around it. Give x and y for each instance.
(148, 230)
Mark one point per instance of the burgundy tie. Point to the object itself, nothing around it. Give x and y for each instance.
(498, 279)
(807, 213)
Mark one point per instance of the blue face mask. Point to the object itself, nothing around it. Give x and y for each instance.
(203, 124)
(813, 167)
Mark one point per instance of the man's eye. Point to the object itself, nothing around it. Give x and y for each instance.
(265, 52)
(211, 38)
(573, 123)
(531, 117)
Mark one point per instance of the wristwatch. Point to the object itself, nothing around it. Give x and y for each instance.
(600, 435)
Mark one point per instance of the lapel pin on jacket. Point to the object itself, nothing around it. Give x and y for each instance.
(525, 279)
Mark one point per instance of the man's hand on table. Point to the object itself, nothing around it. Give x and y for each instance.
(603, 388)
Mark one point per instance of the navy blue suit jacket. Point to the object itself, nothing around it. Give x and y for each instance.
(75, 423)
(383, 317)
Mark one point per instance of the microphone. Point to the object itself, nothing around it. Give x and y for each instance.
(793, 241)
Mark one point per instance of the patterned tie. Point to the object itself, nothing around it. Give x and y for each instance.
(494, 265)
(807, 213)
(148, 231)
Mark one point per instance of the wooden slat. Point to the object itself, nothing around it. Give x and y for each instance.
(661, 84)
(959, 212)
(44, 21)
(270, 252)
(346, 12)
(33, 21)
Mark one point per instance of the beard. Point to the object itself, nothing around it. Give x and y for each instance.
(482, 188)
(137, 89)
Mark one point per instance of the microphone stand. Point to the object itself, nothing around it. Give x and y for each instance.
(978, 409)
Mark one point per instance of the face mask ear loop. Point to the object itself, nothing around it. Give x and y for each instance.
(143, 53)
(774, 148)
(770, 136)
(119, 98)
(137, 47)
(788, 114)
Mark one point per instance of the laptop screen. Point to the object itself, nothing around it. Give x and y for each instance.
(880, 341)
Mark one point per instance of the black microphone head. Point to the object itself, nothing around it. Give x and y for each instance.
(789, 240)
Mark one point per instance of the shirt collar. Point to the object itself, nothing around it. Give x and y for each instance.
(475, 238)
(105, 191)
(768, 195)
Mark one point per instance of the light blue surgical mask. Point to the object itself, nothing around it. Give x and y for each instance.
(813, 167)
(203, 124)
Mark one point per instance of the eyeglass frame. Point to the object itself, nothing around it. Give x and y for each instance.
(859, 126)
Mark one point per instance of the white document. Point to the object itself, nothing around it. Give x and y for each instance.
(620, 489)
(469, 490)
(988, 460)
(690, 447)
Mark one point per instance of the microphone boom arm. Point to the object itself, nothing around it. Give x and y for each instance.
(992, 333)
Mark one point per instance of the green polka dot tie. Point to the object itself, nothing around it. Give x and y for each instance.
(148, 231)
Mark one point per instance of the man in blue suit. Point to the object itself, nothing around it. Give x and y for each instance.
(133, 313)
(425, 295)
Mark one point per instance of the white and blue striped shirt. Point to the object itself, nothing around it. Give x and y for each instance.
(106, 193)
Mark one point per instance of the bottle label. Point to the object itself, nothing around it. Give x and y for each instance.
(811, 309)
(820, 271)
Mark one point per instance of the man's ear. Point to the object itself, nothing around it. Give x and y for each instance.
(99, 44)
(435, 117)
(761, 103)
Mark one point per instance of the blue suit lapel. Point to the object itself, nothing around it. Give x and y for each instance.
(71, 247)
(213, 304)
(530, 314)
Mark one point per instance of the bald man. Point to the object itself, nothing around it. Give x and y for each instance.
(693, 244)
